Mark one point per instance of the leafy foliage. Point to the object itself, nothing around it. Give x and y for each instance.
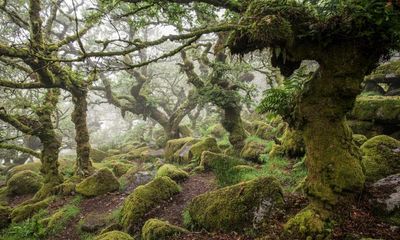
(282, 100)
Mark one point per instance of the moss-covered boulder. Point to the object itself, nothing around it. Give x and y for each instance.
(381, 157)
(359, 139)
(101, 182)
(114, 235)
(264, 131)
(97, 155)
(175, 145)
(34, 167)
(5, 216)
(24, 182)
(292, 144)
(384, 109)
(252, 150)
(236, 208)
(27, 210)
(155, 229)
(217, 131)
(94, 222)
(191, 153)
(173, 172)
(145, 198)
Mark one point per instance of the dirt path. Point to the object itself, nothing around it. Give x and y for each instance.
(172, 210)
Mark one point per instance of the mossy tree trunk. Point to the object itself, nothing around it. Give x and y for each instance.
(333, 160)
(232, 122)
(79, 118)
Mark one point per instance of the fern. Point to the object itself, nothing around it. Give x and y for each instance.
(282, 100)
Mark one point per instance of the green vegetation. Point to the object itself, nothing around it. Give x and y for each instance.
(155, 229)
(172, 172)
(101, 182)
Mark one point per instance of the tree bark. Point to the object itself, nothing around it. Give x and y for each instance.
(79, 118)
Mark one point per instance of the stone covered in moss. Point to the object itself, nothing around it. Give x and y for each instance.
(252, 150)
(25, 211)
(114, 235)
(264, 130)
(101, 182)
(34, 167)
(310, 223)
(359, 139)
(5, 216)
(97, 155)
(175, 145)
(381, 157)
(217, 131)
(384, 109)
(155, 229)
(173, 172)
(24, 182)
(193, 153)
(235, 208)
(292, 145)
(145, 198)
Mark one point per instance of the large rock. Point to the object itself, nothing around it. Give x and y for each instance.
(34, 167)
(385, 197)
(155, 229)
(189, 153)
(377, 109)
(381, 157)
(236, 208)
(94, 222)
(5, 216)
(24, 182)
(292, 145)
(97, 155)
(145, 198)
(27, 210)
(174, 145)
(114, 235)
(253, 149)
(173, 172)
(101, 182)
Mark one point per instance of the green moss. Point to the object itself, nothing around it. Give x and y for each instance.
(264, 131)
(34, 167)
(221, 165)
(25, 211)
(292, 145)
(114, 235)
(5, 216)
(253, 148)
(380, 157)
(57, 221)
(145, 198)
(311, 223)
(235, 208)
(172, 172)
(118, 167)
(217, 131)
(174, 145)
(359, 139)
(24, 182)
(97, 155)
(385, 109)
(207, 144)
(101, 182)
(155, 229)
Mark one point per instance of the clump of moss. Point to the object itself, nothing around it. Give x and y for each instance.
(155, 229)
(207, 144)
(235, 208)
(25, 211)
(114, 235)
(253, 149)
(24, 182)
(101, 182)
(264, 131)
(311, 223)
(34, 167)
(359, 139)
(221, 165)
(97, 155)
(385, 109)
(292, 145)
(381, 157)
(173, 172)
(5, 216)
(174, 145)
(217, 131)
(145, 198)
